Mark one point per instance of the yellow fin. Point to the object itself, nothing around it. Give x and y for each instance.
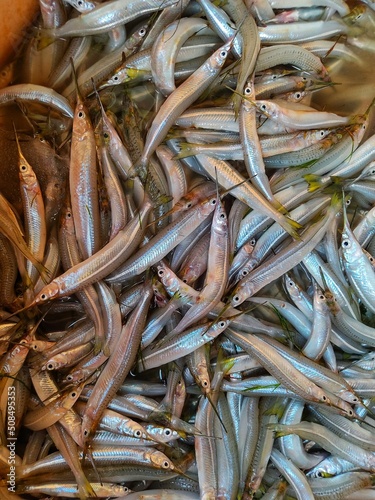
(44, 39)
(185, 151)
(314, 182)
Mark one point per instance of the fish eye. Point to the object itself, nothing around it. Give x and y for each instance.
(252, 242)
(205, 383)
(321, 297)
(142, 31)
(324, 398)
(69, 378)
(236, 298)
(50, 366)
(248, 90)
(189, 205)
(213, 202)
(85, 432)
(138, 433)
(43, 296)
(263, 107)
(222, 216)
(161, 273)
(167, 432)
(81, 114)
(244, 272)
(221, 324)
(73, 395)
(319, 474)
(23, 168)
(223, 53)
(322, 133)
(165, 464)
(346, 243)
(298, 95)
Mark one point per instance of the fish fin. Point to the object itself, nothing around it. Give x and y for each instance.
(44, 39)
(314, 182)
(106, 350)
(165, 409)
(280, 434)
(279, 207)
(45, 274)
(337, 199)
(162, 199)
(337, 180)
(236, 103)
(185, 151)
(97, 345)
(132, 73)
(223, 363)
(85, 490)
(277, 408)
(291, 227)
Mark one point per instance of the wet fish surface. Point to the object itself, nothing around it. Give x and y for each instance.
(187, 243)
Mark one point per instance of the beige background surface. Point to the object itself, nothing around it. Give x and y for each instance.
(15, 16)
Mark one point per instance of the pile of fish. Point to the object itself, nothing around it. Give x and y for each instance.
(187, 253)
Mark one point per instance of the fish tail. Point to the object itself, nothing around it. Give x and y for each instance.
(85, 490)
(279, 206)
(44, 38)
(223, 363)
(163, 199)
(140, 169)
(277, 408)
(100, 345)
(185, 150)
(45, 274)
(278, 429)
(236, 101)
(314, 182)
(291, 227)
(280, 434)
(337, 180)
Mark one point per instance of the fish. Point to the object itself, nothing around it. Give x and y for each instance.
(190, 306)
